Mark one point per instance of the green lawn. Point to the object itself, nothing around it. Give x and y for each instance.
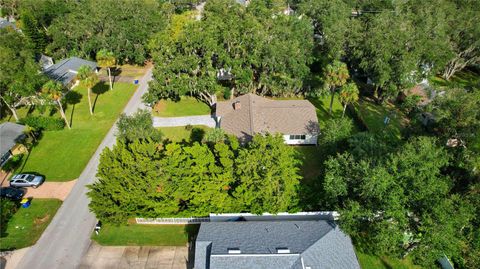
(312, 159)
(179, 134)
(28, 224)
(462, 79)
(322, 104)
(187, 106)
(62, 155)
(145, 235)
(375, 262)
(373, 116)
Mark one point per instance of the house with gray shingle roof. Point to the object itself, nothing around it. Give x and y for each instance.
(5, 23)
(273, 244)
(11, 134)
(66, 70)
(251, 114)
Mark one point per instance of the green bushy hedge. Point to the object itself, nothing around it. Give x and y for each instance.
(44, 123)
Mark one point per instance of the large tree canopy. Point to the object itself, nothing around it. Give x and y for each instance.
(253, 49)
(123, 27)
(142, 178)
(19, 73)
(402, 201)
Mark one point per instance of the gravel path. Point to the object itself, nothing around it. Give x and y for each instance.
(206, 120)
(67, 238)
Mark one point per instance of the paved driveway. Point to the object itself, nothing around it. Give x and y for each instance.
(206, 120)
(100, 257)
(67, 238)
(58, 190)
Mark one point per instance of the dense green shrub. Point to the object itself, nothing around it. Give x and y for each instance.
(335, 134)
(227, 93)
(410, 103)
(44, 123)
(13, 163)
(7, 209)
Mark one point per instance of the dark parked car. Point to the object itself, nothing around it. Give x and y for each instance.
(26, 180)
(12, 193)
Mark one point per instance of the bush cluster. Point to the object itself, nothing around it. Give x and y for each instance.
(44, 123)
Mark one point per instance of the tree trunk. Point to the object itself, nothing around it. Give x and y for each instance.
(344, 108)
(331, 100)
(211, 99)
(452, 67)
(110, 78)
(12, 109)
(469, 56)
(63, 113)
(14, 112)
(90, 101)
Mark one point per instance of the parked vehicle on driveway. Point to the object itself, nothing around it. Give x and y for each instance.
(12, 193)
(26, 180)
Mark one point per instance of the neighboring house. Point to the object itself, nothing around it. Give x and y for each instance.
(4, 23)
(45, 61)
(426, 93)
(273, 244)
(66, 70)
(11, 134)
(251, 114)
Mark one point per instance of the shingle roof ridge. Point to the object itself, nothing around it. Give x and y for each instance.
(250, 113)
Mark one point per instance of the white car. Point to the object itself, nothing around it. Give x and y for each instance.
(26, 180)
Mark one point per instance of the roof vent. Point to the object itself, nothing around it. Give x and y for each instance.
(283, 250)
(237, 105)
(234, 251)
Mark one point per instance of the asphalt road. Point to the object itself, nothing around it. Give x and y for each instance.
(67, 238)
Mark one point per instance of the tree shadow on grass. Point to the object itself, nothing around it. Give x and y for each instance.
(99, 89)
(72, 98)
(10, 208)
(197, 135)
(323, 113)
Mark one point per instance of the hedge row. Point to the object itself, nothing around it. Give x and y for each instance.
(44, 123)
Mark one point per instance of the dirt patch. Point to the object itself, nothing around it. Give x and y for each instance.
(159, 106)
(39, 221)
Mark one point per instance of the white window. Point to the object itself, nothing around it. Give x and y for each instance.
(283, 250)
(234, 251)
(297, 137)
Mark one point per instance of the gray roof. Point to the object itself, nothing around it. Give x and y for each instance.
(10, 135)
(260, 115)
(66, 70)
(318, 244)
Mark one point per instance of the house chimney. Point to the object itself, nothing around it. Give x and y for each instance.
(237, 105)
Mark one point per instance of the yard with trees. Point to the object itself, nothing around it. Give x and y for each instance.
(403, 170)
(195, 178)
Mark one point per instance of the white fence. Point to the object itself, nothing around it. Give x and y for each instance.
(192, 220)
(319, 215)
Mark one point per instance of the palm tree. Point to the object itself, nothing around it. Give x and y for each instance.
(336, 75)
(106, 59)
(88, 79)
(348, 94)
(54, 91)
